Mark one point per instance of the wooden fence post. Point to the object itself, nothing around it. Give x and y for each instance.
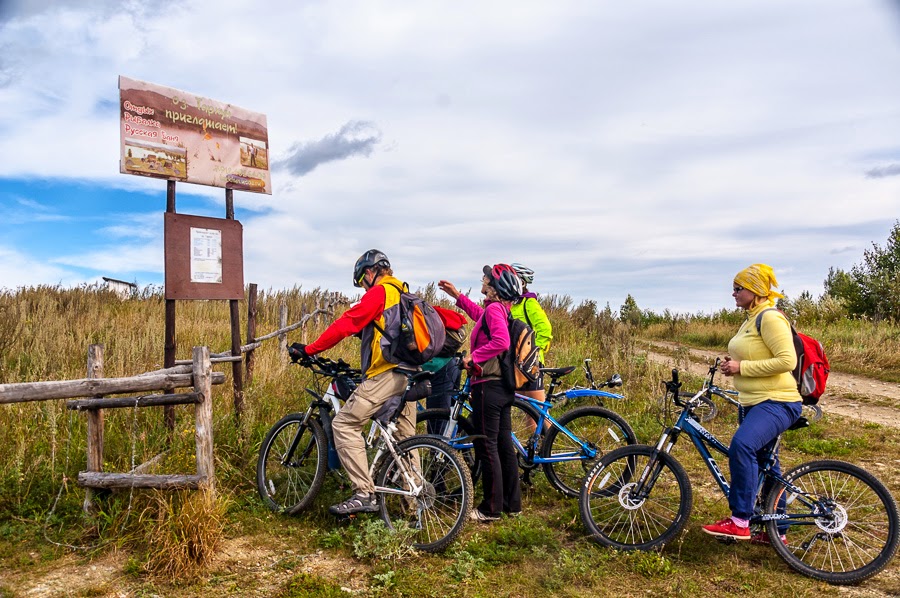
(251, 329)
(305, 334)
(203, 417)
(282, 338)
(237, 367)
(94, 428)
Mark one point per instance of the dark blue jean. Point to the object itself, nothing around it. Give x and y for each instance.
(759, 426)
(491, 405)
(444, 383)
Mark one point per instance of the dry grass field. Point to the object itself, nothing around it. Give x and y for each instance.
(152, 543)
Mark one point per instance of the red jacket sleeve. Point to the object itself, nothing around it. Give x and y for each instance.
(369, 309)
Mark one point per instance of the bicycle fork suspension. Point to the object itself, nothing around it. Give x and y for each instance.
(642, 487)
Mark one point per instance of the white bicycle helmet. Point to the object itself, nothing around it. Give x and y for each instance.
(524, 272)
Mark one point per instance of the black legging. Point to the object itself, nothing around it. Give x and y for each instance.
(491, 404)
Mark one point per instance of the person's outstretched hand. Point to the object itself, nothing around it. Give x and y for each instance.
(449, 288)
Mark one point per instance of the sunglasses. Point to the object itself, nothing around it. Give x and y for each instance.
(738, 289)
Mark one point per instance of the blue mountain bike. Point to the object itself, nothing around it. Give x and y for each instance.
(566, 448)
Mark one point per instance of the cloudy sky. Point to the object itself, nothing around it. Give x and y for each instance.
(651, 148)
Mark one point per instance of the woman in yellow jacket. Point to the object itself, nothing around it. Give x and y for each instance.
(761, 362)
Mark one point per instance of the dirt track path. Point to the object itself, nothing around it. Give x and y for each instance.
(847, 395)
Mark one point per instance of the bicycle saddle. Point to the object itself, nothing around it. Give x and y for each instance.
(558, 372)
(801, 423)
(414, 376)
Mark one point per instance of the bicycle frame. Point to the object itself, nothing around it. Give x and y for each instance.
(387, 445)
(579, 392)
(528, 450)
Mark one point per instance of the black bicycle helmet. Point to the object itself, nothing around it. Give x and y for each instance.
(505, 281)
(369, 259)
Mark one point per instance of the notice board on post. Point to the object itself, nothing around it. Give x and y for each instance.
(204, 257)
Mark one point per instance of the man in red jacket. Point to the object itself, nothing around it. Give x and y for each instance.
(381, 382)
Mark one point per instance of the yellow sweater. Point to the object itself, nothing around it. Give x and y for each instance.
(767, 359)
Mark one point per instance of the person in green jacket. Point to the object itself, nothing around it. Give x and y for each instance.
(529, 310)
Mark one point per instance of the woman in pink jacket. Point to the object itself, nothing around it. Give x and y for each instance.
(491, 400)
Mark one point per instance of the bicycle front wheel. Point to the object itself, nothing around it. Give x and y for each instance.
(438, 511)
(291, 466)
(599, 428)
(850, 529)
(635, 498)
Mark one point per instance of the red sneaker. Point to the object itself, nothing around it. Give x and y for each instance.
(727, 528)
(762, 539)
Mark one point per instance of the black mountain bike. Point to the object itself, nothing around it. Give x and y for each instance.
(839, 523)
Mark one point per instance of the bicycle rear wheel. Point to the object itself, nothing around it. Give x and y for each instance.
(440, 510)
(619, 514)
(812, 413)
(524, 420)
(435, 421)
(851, 532)
(601, 429)
(291, 466)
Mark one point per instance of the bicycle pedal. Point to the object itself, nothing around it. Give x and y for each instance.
(724, 540)
(346, 518)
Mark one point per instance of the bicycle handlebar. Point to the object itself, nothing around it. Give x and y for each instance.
(674, 386)
(323, 365)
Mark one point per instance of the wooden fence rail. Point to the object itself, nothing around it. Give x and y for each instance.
(196, 373)
(21, 392)
(226, 356)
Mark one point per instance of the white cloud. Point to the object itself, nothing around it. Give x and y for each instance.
(650, 148)
(20, 270)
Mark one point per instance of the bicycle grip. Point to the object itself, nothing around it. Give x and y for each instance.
(674, 375)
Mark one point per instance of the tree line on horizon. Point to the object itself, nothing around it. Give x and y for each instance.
(869, 290)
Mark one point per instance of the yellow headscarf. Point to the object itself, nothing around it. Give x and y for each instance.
(759, 280)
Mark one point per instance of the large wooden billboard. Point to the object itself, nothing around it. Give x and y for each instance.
(179, 136)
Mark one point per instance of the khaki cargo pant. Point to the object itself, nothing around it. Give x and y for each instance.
(348, 425)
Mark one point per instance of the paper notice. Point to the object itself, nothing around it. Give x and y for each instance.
(206, 255)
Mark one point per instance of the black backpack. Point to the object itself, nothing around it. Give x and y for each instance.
(520, 363)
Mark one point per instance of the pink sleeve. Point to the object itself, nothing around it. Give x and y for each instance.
(472, 309)
(496, 318)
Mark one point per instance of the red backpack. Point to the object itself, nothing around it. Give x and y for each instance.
(455, 328)
(812, 368)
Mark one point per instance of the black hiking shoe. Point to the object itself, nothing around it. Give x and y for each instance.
(358, 503)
